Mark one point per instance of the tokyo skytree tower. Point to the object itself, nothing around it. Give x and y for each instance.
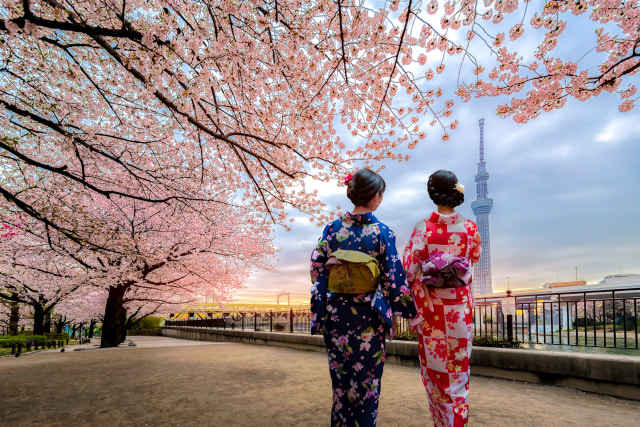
(481, 208)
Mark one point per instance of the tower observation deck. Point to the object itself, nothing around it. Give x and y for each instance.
(481, 208)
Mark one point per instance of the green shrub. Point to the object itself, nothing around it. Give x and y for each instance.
(54, 336)
(40, 339)
(149, 322)
(406, 336)
(10, 340)
(484, 341)
(7, 342)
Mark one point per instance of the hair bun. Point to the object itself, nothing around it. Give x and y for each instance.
(442, 189)
(363, 187)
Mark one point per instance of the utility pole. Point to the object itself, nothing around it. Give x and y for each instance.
(282, 294)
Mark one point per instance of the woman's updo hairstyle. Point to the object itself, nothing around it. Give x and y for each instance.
(442, 189)
(363, 187)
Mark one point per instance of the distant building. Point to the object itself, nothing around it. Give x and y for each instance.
(617, 281)
(564, 284)
(481, 208)
(622, 279)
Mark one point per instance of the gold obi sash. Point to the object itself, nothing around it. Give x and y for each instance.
(352, 272)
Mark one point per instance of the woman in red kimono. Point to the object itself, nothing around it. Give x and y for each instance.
(438, 261)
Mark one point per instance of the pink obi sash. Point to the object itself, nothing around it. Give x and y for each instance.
(444, 276)
(443, 270)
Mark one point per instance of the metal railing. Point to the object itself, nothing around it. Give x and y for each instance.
(298, 321)
(598, 318)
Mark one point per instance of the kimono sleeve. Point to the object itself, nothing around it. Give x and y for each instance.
(319, 256)
(393, 279)
(413, 256)
(319, 277)
(475, 247)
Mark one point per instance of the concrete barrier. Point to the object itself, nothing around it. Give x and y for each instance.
(610, 374)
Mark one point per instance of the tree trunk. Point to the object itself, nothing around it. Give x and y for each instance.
(113, 324)
(14, 316)
(38, 319)
(123, 325)
(59, 325)
(47, 321)
(92, 326)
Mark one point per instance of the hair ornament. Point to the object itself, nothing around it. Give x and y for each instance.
(347, 179)
(460, 187)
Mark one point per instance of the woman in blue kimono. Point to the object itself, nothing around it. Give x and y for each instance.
(358, 285)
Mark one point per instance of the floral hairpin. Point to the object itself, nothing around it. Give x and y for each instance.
(347, 179)
(460, 187)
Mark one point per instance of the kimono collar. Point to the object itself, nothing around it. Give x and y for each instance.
(363, 218)
(438, 218)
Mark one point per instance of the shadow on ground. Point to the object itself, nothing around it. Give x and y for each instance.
(168, 382)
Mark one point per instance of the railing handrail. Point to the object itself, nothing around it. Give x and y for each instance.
(553, 293)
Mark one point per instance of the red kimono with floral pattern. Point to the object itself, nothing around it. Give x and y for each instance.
(445, 320)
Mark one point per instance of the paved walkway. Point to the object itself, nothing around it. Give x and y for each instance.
(170, 382)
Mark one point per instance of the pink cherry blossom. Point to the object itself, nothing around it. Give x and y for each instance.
(154, 150)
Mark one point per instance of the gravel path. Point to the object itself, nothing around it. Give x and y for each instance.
(169, 382)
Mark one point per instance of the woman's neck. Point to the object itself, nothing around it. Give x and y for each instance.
(361, 210)
(446, 210)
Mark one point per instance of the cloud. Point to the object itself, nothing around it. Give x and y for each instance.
(564, 185)
(562, 197)
(619, 129)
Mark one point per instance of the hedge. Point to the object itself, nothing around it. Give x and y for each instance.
(22, 339)
(53, 336)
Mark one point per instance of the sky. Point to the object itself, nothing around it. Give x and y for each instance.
(565, 190)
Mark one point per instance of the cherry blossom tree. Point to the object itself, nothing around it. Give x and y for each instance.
(85, 307)
(603, 63)
(181, 257)
(10, 308)
(132, 130)
(34, 275)
(144, 256)
(9, 316)
(163, 100)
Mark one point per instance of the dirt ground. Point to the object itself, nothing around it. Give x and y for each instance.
(169, 382)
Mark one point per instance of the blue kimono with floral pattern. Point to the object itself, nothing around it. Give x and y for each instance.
(355, 325)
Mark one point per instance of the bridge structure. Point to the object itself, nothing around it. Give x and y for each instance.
(217, 311)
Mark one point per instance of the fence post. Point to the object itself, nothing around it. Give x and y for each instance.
(510, 327)
(255, 320)
(270, 321)
(291, 320)
(243, 321)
